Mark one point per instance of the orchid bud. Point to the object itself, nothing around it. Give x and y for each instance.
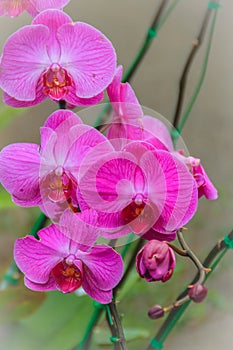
(155, 312)
(155, 261)
(197, 293)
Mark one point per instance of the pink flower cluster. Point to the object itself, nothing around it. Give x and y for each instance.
(89, 184)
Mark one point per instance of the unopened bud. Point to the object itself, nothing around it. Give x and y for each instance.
(197, 292)
(155, 312)
(155, 261)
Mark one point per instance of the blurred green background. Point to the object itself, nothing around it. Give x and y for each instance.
(208, 136)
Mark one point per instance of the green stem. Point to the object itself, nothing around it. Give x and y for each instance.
(200, 81)
(152, 32)
(196, 44)
(211, 261)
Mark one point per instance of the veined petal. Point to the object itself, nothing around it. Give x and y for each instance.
(72, 98)
(62, 120)
(82, 228)
(13, 8)
(102, 296)
(42, 5)
(181, 194)
(41, 287)
(53, 237)
(85, 142)
(88, 56)
(53, 20)
(123, 98)
(108, 185)
(165, 236)
(113, 89)
(157, 133)
(102, 267)
(23, 62)
(40, 97)
(34, 259)
(19, 173)
(205, 187)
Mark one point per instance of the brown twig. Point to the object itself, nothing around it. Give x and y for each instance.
(183, 80)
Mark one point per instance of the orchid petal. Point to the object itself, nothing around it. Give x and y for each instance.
(19, 173)
(88, 56)
(23, 62)
(40, 97)
(81, 228)
(62, 120)
(72, 98)
(156, 133)
(102, 267)
(42, 5)
(41, 287)
(53, 20)
(12, 8)
(34, 259)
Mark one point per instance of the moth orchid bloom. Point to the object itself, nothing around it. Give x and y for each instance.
(56, 58)
(14, 8)
(59, 261)
(137, 189)
(127, 112)
(155, 261)
(46, 176)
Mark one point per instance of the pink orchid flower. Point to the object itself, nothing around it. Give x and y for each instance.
(14, 8)
(138, 189)
(46, 176)
(56, 58)
(57, 261)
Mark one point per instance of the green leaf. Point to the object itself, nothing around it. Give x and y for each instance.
(5, 199)
(59, 324)
(18, 302)
(7, 114)
(102, 335)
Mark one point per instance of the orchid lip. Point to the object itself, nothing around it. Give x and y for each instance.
(67, 275)
(58, 185)
(56, 82)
